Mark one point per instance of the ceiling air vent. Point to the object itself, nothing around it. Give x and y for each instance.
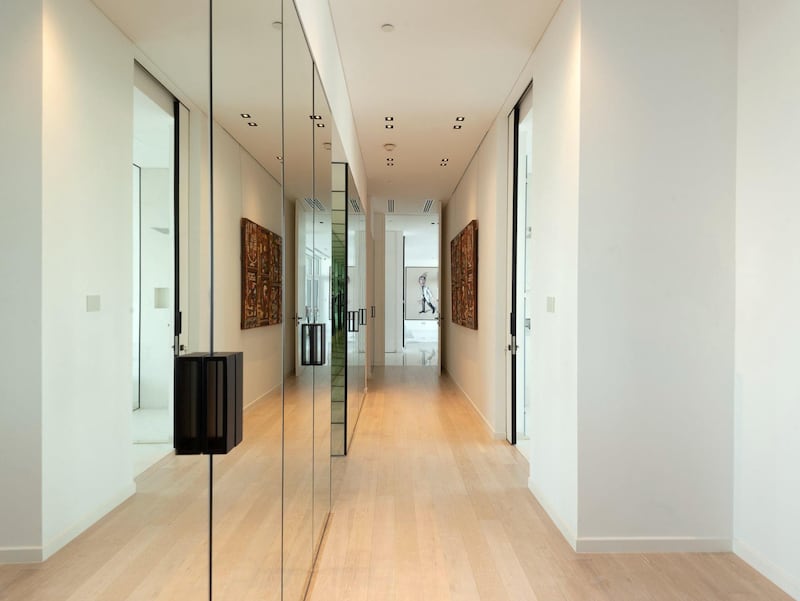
(390, 206)
(315, 204)
(428, 206)
(354, 204)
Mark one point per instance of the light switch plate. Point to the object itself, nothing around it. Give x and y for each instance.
(92, 303)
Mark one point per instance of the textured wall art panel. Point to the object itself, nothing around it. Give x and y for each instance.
(261, 276)
(464, 276)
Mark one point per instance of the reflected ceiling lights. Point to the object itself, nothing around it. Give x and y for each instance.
(459, 118)
(456, 127)
(245, 115)
(320, 125)
(445, 160)
(387, 28)
(253, 124)
(389, 126)
(388, 118)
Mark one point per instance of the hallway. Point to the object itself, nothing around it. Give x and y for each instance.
(428, 506)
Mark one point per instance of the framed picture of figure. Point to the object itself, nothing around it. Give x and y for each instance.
(422, 293)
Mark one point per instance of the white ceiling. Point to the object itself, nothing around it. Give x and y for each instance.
(445, 58)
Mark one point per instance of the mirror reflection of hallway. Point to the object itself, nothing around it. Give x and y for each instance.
(153, 270)
(413, 294)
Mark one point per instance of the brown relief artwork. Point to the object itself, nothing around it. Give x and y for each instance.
(464, 276)
(261, 276)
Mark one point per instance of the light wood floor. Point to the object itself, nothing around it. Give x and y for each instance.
(428, 507)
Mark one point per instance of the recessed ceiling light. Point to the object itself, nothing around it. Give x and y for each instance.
(443, 164)
(387, 28)
(390, 164)
(388, 118)
(279, 157)
(253, 124)
(456, 127)
(245, 115)
(316, 116)
(389, 126)
(445, 160)
(459, 118)
(320, 125)
(390, 160)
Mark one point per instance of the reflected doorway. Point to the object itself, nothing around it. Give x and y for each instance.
(413, 294)
(154, 287)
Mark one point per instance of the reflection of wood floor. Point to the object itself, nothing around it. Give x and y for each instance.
(428, 507)
(154, 547)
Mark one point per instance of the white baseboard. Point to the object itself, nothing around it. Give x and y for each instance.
(10, 555)
(60, 541)
(789, 583)
(566, 532)
(489, 427)
(647, 544)
(263, 396)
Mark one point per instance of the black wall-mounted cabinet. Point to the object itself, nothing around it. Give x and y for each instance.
(208, 403)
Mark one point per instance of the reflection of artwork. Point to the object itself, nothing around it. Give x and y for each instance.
(422, 293)
(464, 276)
(261, 276)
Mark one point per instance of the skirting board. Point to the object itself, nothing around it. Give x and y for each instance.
(9, 555)
(489, 427)
(667, 544)
(566, 532)
(780, 577)
(88, 520)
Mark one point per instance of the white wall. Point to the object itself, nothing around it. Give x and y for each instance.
(21, 277)
(551, 364)
(315, 16)
(242, 188)
(475, 359)
(656, 274)
(393, 292)
(767, 496)
(87, 249)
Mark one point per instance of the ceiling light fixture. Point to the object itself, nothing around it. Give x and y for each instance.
(456, 127)
(387, 28)
(445, 160)
(389, 126)
(245, 115)
(388, 118)
(253, 124)
(320, 125)
(279, 157)
(443, 164)
(389, 147)
(390, 160)
(316, 116)
(459, 118)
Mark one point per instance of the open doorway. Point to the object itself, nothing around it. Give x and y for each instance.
(520, 129)
(413, 308)
(154, 269)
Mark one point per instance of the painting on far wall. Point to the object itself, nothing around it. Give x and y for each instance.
(261, 276)
(464, 276)
(422, 293)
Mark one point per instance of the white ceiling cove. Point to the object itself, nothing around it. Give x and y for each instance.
(444, 59)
